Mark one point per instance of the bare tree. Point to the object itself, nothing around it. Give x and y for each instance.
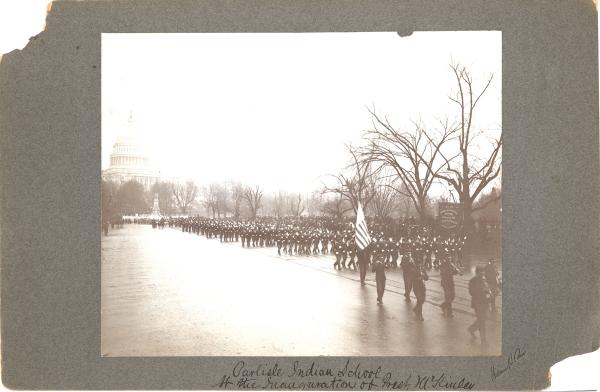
(357, 184)
(254, 199)
(295, 205)
(470, 173)
(336, 206)
(215, 200)
(414, 157)
(184, 194)
(385, 198)
(209, 201)
(279, 204)
(314, 203)
(237, 196)
(222, 192)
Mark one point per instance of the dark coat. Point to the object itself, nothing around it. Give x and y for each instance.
(379, 270)
(491, 276)
(405, 263)
(363, 255)
(447, 272)
(479, 292)
(420, 277)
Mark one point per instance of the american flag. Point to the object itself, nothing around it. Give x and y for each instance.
(363, 239)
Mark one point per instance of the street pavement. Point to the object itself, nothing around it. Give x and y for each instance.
(169, 293)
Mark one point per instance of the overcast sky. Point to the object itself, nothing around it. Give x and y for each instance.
(276, 109)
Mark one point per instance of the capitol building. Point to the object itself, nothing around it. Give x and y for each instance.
(130, 160)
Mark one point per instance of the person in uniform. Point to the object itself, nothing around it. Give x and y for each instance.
(387, 246)
(338, 251)
(420, 277)
(295, 241)
(427, 250)
(491, 278)
(325, 242)
(437, 252)
(352, 248)
(416, 252)
(447, 272)
(291, 237)
(243, 235)
(286, 242)
(379, 269)
(363, 256)
(461, 243)
(308, 240)
(316, 239)
(408, 270)
(395, 248)
(376, 249)
(279, 242)
(344, 247)
(479, 302)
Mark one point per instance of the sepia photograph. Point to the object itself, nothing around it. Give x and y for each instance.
(301, 194)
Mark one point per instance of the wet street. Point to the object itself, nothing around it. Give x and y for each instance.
(169, 293)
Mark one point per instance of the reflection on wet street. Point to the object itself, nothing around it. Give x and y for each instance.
(169, 293)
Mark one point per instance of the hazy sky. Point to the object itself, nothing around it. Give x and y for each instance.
(276, 109)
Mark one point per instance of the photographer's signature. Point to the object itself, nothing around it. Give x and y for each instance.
(513, 358)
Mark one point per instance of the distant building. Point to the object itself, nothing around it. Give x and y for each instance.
(130, 160)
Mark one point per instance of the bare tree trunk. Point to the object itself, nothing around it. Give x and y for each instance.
(470, 176)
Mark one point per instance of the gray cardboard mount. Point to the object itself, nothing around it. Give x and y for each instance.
(50, 168)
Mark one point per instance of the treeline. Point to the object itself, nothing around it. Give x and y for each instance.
(392, 171)
(236, 200)
(131, 197)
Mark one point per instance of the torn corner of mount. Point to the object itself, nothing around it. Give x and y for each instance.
(29, 29)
